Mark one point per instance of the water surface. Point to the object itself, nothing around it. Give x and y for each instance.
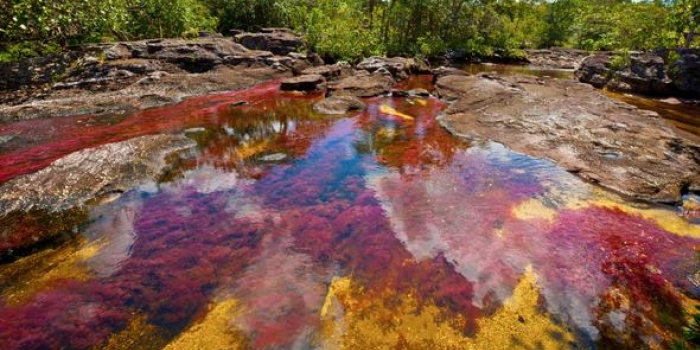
(289, 229)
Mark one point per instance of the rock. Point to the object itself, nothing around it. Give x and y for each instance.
(69, 182)
(595, 70)
(398, 67)
(78, 177)
(686, 72)
(363, 85)
(336, 105)
(691, 207)
(645, 73)
(443, 71)
(419, 92)
(5, 139)
(607, 142)
(275, 157)
(328, 71)
(303, 83)
(279, 42)
(556, 58)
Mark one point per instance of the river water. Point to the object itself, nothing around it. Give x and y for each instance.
(289, 229)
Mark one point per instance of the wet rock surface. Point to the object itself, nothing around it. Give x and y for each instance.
(363, 85)
(48, 205)
(91, 173)
(604, 141)
(119, 78)
(337, 105)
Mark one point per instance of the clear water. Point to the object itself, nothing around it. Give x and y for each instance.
(289, 229)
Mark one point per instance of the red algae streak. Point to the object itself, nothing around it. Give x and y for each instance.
(37, 143)
(278, 206)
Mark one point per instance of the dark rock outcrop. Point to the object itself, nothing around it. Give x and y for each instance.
(336, 105)
(607, 142)
(685, 72)
(645, 73)
(276, 40)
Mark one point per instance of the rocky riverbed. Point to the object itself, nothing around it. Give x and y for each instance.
(607, 142)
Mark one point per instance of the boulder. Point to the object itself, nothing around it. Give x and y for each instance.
(595, 70)
(336, 105)
(685, 72)
(399, 67)
(308, 82)
(443, 71)
(363, 85)
(328, 71)
(644, 73)
(611, 143)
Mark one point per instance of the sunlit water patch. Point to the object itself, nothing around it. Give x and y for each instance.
(289, 229)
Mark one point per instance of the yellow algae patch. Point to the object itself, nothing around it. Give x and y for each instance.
(666, 219)
(520, 323)
(214, 332)
(139, 334)
(30, 275)
(532, 209)
(353, 319)
(391, 111)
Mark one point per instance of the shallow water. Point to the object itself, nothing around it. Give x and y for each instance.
(289, 229)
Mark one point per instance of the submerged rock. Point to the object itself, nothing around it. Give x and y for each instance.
(339, 105)
(607, 142)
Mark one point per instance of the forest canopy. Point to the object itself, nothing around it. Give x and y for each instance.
(349, 29)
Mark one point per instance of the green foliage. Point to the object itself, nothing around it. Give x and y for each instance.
(35, 27)
(620, 60)
(245, 14)
(349, 29)
(684, 20)
(337, 29)
(29, 49)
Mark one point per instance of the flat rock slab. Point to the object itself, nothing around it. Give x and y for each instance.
(337, 105)
(628, 150)
(303, 83)
(364, 85)
(88, 174)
